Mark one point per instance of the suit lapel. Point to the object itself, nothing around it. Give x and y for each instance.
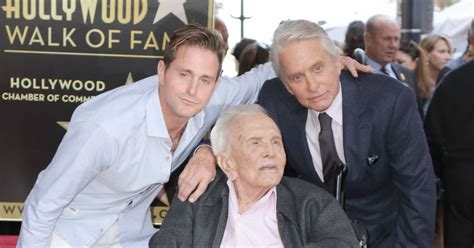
(295, 123)
(399, 76)
(356, 127)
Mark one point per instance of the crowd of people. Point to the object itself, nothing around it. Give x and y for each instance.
(304, 150)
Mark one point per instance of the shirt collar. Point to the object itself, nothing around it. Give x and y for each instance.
(374, 64)
(335, 109)
(269, 196)
(156, 125)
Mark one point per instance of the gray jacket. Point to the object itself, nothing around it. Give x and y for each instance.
(307, 217)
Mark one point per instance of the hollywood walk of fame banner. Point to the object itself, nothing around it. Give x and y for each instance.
(57, 54)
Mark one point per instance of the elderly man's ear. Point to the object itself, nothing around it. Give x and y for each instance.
(227, 165)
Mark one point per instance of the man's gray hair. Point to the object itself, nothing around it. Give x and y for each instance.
(293, 30)
(221, 134)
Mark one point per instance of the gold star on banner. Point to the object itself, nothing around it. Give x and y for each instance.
(63, 124)
(129, 79)
(175, 7)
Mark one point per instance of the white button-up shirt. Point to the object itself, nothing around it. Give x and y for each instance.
(113, 161)
(313, 128)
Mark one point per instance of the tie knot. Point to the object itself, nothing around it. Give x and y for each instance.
(324, 121)
(383, 69)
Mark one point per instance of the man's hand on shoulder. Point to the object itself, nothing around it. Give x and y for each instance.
(353, 66)
(196, 176)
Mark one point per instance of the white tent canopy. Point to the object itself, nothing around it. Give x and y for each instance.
(455, 22)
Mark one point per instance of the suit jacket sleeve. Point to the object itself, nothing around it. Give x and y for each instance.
(412, 173)
(330, 227)
(177, 227)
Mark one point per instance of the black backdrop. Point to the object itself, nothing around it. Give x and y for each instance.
(52, 61)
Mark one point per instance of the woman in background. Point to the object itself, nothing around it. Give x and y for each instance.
(436, 52)
(354, 38)
(408, 54)
(253, 54)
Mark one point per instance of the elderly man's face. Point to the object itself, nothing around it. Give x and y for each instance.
(383, 44)
(257, 153)
(310, 73)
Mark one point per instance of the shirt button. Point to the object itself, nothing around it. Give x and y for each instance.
(168, 157)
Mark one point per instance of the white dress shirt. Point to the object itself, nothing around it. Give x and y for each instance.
(113, 161)
(313, 128)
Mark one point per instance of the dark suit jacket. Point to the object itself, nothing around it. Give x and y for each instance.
(449, 123)
(394, 196)
(407, 76)
(307, 217)
(453, 64)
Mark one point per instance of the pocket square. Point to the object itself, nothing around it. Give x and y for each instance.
(372, 159)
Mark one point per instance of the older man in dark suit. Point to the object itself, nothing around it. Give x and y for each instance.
(369, 123)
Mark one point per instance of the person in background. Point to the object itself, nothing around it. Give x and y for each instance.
(240, 46)
(449, 126)
(436, 52)
(250, 203)
(465, 57)
(408, 54)
(329, 119)
(254, 54)
(354, 38)
(220, 27)
(382, 41)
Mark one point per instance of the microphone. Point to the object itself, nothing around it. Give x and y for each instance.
(359, 55)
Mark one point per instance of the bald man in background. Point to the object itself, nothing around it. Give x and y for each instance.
(382, 41)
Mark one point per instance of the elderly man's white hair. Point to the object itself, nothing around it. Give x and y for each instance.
(293, 30)
(221, 134)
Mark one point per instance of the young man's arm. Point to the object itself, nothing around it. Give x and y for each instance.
(84, 152)
(202, 162)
